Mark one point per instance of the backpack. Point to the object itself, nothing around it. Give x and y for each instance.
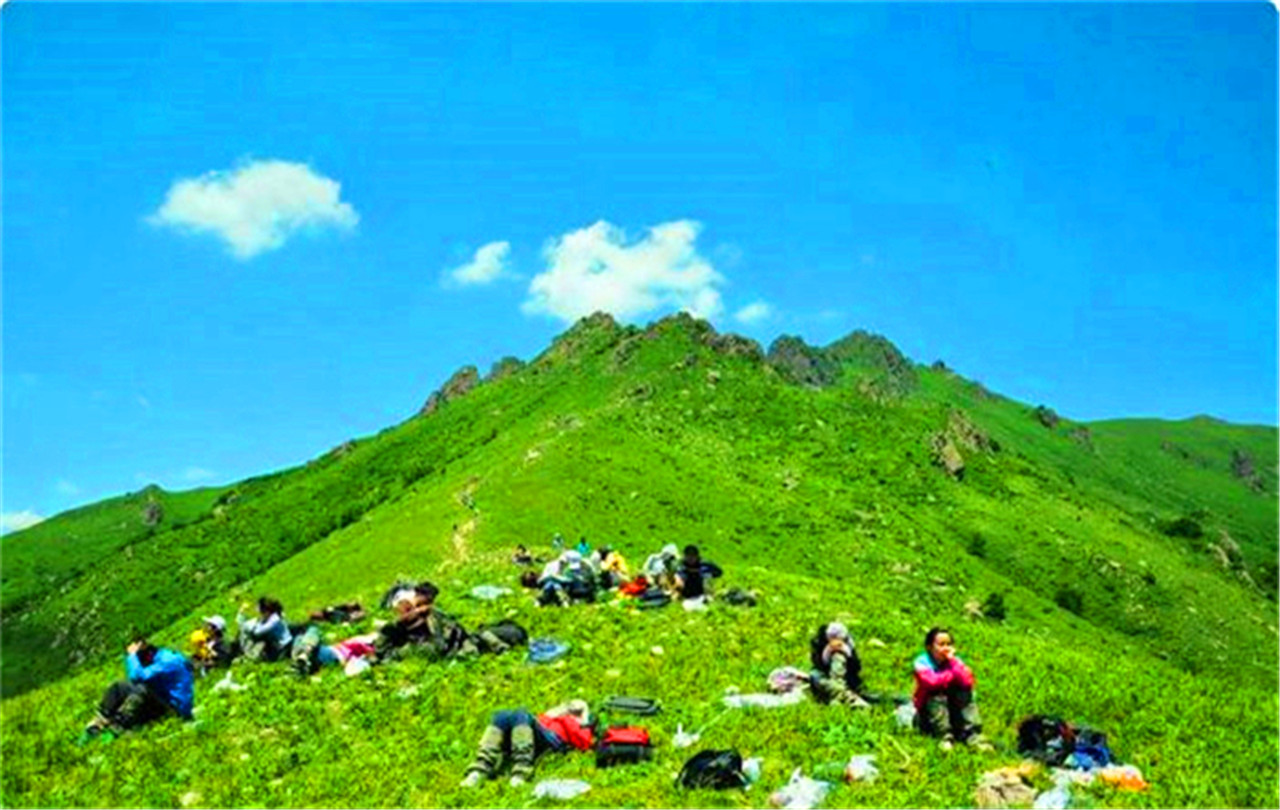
(632, 705)
(1046, 738)
(623, 745)
(718, 770)
(546, 650)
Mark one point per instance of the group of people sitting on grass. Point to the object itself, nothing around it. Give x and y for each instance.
(161, 681)
(943, 702)
(580, 575)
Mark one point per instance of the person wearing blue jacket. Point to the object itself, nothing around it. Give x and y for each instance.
(159, 681)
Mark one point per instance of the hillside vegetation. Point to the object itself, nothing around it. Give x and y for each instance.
(1136, 560)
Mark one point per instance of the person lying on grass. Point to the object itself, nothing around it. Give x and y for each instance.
(837, 670)
(560, 729)
(310, 652)
(944, 694)
(159, 681)
(266, 638)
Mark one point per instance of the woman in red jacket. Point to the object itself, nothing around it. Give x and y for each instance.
(560, 729)
(944, 693)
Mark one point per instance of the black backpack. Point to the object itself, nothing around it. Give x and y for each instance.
(718, 770)
(1046, 738)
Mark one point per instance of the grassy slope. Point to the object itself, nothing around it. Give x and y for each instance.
(822, 500)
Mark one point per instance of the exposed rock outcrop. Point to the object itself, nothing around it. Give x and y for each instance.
(802, 364)
(462, 381)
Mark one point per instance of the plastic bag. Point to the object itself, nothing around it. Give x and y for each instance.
(489, 592)
(227, 684)
(1059, 798)
(356, 666)
(560, 789)
(684, 739)
(764, 700)
(751, 769)
(801, 793)
(905, 715)
(861, 768)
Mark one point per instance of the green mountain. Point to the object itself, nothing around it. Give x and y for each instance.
(1136, 562)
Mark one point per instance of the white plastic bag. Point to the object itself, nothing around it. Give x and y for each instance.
(861, 768)
(560, 789)
(801, 793)
(1058, 798)
(684, 739)
(905, 715)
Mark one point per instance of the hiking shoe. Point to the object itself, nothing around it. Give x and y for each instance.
(517, 780)
(472, 779)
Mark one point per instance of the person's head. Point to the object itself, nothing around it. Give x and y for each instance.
(215, 625)
(146, 652)
(520, 549)
(529, 579)
(939, 643)
(572, 557)
(669, 551)
(604, 551)
(838, 632)
(427, 591)
(269, 607)
(691, 555)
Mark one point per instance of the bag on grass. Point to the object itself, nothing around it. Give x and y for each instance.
(623, 745)
(632, 705)
(718, 770)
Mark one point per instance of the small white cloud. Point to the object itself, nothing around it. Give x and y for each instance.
(596, 269)
(488, 264)
(15, 521)
(197, 474)
(65, 487)
(754, 313)
(256, 207)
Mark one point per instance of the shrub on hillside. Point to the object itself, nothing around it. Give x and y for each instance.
(1068, 598)
(993, 607)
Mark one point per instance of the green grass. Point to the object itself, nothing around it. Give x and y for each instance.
(827, 501)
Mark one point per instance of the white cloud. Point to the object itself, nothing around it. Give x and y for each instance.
(595, 269)
(256, 207)
(486, 266)
(65, 487)
(754, 313)
(13, 521)
(197, 474)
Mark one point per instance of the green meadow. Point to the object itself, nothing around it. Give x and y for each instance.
(1136, 560)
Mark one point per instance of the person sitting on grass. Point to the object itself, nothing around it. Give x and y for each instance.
(565, 727)
(613, 568)
(266, 638)
(692, 575)
(944, 694)
(568, 578)
(837, 670)
(159, 681)
(209, 647)
(660, 568)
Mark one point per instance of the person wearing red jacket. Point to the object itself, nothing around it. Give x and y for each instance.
(944, 693)
(565, 727)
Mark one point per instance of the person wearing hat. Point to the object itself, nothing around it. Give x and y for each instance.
(660, 569)
(837, 670)
(565, 579)
(209, 647)
(564, 728)
(613, 567)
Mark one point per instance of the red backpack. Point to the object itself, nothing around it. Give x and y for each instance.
(625, 735)
(623, 745)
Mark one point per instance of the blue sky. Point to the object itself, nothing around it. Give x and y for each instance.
(236, 235)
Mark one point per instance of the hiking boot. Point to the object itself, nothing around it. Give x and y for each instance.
(517, 780)
(472, 779)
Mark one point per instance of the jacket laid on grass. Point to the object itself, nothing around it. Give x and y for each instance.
(568, 729)
(933, 679)
(169, 677)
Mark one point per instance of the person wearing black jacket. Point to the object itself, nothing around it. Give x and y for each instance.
(693, 573)
(837, 670)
